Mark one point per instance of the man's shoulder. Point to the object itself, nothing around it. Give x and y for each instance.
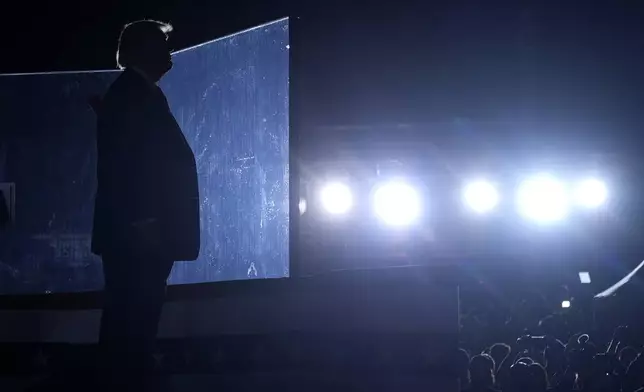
(126, 87)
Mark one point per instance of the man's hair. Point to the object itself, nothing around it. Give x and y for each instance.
(134, 36)
(498, 352)
(482, 370)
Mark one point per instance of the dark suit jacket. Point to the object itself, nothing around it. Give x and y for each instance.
(146, 171)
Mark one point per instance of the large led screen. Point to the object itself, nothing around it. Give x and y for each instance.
(230, 97)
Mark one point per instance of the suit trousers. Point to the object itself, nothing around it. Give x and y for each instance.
(134, 294)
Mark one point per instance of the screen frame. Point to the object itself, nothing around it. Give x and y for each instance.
(295, 125)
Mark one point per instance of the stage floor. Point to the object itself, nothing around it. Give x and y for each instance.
(286, 382)
(378, 328)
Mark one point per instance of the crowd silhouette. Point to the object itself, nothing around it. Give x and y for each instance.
(560, 352)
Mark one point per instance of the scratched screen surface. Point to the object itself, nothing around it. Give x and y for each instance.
(230, 97)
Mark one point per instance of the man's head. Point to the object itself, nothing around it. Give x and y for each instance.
(498, 352)
(482, 371)
(463, 366)
(144, 45)
(627, 355)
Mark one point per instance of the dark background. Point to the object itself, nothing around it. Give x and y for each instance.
(388, 61)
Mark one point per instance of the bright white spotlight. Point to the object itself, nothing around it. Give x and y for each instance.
(543, 199)
(336, 198)
(480, 196)
(584, 278)
(591, 193)
(565, 304)
(396, 203)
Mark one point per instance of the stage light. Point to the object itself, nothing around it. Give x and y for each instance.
(302, 206)
(481, 196)
(336, 198)
(543, 199)
(591, 193)
(584, 278)
(396, 203)
(565, 304)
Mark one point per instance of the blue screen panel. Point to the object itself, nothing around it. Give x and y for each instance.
(230, 97)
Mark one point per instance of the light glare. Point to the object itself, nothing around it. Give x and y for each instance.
(584, 278)
(591, 193)
(336, 198)
(565, 304)
(396, 203)
(543, 199)
(481, 196)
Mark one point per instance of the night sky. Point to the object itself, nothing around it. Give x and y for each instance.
(365, 63)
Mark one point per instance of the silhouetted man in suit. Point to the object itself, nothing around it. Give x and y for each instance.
(147, 202)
